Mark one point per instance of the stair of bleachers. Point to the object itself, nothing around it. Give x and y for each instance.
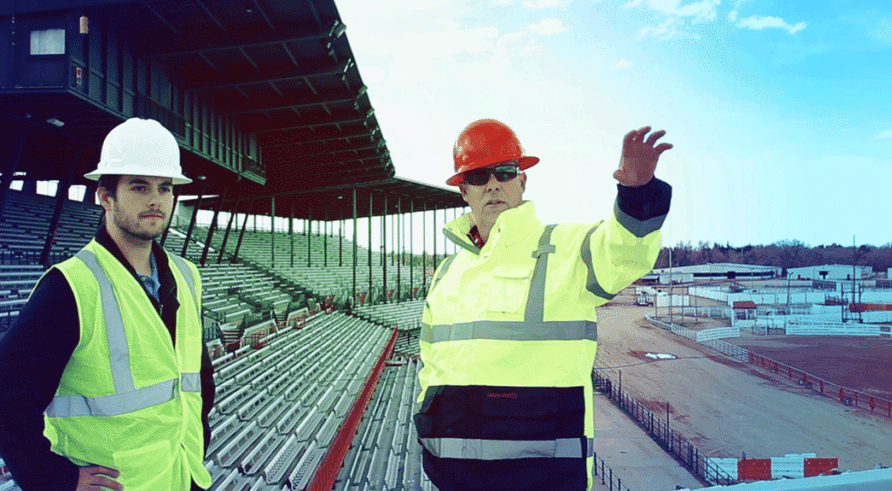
(278, 408)
(386, 453)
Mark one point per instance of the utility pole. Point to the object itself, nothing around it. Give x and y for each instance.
(670, 286)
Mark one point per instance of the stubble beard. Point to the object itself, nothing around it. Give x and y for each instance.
(130, 229)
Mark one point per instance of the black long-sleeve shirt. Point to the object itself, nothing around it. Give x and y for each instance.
(33, 355)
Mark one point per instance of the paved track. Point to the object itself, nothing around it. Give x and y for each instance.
(727, 408)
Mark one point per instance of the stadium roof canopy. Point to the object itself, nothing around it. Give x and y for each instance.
(264, 96)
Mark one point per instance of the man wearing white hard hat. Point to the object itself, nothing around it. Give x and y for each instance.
(509, 329)
(105, 379)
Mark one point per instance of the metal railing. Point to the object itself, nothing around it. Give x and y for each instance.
(606, 475)
(845, 395)
(658, 428)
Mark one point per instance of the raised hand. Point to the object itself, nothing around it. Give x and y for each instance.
(639, 157)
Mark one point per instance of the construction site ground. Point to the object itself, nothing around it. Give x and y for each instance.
(728, 408)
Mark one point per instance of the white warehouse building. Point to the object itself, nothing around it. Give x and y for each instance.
(830, 272)
(687, 274)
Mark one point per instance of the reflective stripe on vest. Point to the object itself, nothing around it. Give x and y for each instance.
(470, 448)
(127, 398)
(591, 283)
(511, 331)
(532, 328)
(187, 273)
(535, 311)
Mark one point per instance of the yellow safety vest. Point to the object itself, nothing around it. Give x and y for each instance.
(128, 398)
(509, 336)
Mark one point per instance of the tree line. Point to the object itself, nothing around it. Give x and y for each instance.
(784, 254)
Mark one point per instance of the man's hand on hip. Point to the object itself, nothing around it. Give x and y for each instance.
(90, 478)
(639, 157)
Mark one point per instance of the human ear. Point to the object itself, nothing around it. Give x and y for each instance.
(105, 199)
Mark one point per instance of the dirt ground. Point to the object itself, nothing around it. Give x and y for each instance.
(728, 408)
(855, 362)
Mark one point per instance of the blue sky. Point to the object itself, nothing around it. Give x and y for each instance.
(780, 112)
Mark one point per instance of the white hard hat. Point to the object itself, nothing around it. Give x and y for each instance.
(140, 147)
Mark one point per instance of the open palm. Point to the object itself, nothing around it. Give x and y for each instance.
(639, 157)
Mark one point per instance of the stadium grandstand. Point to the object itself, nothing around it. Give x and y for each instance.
(311, 334)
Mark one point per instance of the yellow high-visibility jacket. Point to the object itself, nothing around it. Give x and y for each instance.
(509, 335)
(128, 398)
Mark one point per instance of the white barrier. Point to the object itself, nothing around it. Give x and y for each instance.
(836, 329)
(717, 333)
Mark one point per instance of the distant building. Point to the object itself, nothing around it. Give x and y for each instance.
(830, 272)
(713, 271)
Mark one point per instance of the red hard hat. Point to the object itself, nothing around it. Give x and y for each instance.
(485, 143)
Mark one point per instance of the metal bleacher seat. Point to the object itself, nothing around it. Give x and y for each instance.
(277, 467)
(305, 467)
(230, 453)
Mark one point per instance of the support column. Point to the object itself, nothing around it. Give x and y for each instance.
(434, 215)
(309, 235)
(61, 198)
(371, 213)
(232, 215)
(424, 251)
(399, 221)
(445, 221)
(241, 234)
(325, 240)
(355, 251)
(194, 217)
(272, 231)
(384, 246)
(90, 193)
(291, 232)
(411, 249)
(341, 242)
(12, 163)
(212, 227)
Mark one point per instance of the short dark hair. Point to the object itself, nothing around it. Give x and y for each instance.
(110, 183)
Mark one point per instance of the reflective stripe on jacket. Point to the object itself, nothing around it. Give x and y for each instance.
(508, 341)
(128, 398)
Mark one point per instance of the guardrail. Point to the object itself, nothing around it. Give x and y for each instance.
(672, 441)
(607, 477)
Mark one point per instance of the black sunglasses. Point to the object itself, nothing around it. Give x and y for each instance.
(479, 177)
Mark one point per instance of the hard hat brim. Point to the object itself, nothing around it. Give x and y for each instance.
(136, 171)
(523, 163)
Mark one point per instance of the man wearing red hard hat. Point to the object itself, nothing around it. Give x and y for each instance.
(509, 330)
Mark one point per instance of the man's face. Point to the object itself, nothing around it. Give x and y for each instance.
(142, 208)
(488, 200)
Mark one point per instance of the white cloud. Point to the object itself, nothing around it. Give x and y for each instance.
(675, 18)
(623, 64)
(732, 15)
(668, 29)
(886, 135)
(541, 4)
(759, 22)
(547, 27)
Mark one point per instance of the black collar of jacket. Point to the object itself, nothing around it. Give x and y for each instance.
(169, 304)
